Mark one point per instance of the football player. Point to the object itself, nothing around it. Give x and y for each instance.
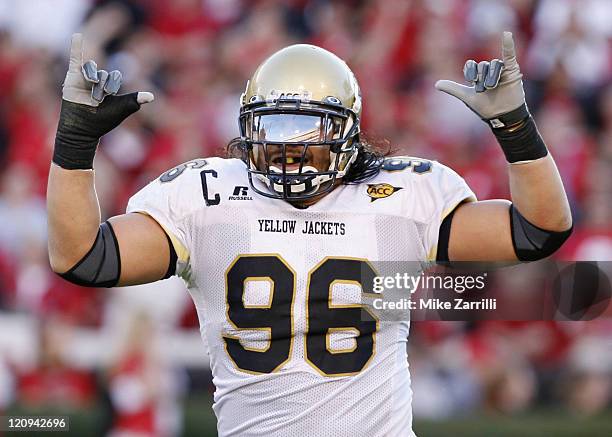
(271, 243)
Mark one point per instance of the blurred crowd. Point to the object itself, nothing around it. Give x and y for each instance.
(195, 56)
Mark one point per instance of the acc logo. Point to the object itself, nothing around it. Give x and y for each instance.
(380, 191)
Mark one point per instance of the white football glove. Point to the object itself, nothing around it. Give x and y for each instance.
(496, 87)
(90, 109)
(87, 85)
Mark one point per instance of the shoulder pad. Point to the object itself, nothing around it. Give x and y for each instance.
(398, 163)
(175, 172)
(212, 175)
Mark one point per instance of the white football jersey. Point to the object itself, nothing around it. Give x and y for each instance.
(277, 290)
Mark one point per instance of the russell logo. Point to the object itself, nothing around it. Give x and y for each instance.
(240, 193)
(380, 191)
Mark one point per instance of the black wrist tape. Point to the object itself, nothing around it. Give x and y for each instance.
(81, 127)
(522, 143)
(75, 144)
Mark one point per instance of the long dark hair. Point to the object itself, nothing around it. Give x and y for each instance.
(369, 161)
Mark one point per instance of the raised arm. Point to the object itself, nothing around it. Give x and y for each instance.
(127, 249)
(538, 220)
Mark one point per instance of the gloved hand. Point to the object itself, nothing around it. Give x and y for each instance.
(497, 88)
(496, 95)
(90, 109)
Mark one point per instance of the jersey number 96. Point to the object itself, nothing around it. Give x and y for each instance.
(322, 317)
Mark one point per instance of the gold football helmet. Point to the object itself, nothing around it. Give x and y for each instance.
(300, 97)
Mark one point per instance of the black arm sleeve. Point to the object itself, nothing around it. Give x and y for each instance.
(532, 243)
(101, 266)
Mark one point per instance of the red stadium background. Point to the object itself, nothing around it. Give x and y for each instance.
(130, 360)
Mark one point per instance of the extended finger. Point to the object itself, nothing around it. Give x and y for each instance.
(462, 92)
(492, 78)
(470, 71)
(144, 97)
(90, 71)
(508, 49)
(113, 83)
(483, 70)
(97, 92)
(76, 52)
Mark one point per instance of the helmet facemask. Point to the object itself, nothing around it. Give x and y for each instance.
(279, 136)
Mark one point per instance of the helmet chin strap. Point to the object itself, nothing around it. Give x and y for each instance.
(313, 183)
(350, 160)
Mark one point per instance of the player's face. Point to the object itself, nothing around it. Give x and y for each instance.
(298, 129)
(315, 156)
(294, 143)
